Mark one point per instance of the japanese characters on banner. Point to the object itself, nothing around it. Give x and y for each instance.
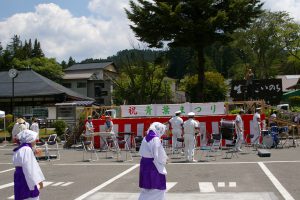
(153, 110)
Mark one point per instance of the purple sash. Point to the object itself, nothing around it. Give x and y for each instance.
(21, 188)
(150, 178)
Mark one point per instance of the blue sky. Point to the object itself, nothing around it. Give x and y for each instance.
(82, 28)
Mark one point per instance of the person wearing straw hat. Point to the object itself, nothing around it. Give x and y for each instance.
(152, 177)
(18, 127)
(239, 130)
(256, 127)
(190, 128)
(28, 174)
(176, 123)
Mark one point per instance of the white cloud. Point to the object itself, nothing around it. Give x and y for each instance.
(63, 35)
(290, 6)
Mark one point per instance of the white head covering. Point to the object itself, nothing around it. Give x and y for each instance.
(191, 114)
(178, 112)
(27, 136)
(158, 128)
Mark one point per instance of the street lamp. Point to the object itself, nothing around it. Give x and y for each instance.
(12, 73)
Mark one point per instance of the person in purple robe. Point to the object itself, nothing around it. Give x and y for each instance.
(152, 165)
(28, 176)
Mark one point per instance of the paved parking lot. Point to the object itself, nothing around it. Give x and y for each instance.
(243, 178)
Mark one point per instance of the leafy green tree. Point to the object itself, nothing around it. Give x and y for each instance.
(37, 51)
(71, 61)
(215, 87)
(262, 43)
(141, 82)
(193, 23)
(47, 67)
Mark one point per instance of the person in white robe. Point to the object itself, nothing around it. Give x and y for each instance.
(256, 127)
(18, 127)
(176, 124)
(239, 130)
(190, 127)
(28, 174)
(35, 127)
(152, 165)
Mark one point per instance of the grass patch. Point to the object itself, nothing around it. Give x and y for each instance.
(43, 133)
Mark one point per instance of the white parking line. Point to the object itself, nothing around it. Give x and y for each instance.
(206, 187)
(286, 195)
(221, 184)
(57, 184)
(6, 185)
(232, 184)
(66, 184)
(170, 185)
(106, 183)
(6, 170)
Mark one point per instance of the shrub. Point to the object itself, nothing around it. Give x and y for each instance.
(60, 127)
(294, 101)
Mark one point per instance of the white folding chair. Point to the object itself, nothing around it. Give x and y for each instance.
(88, 146)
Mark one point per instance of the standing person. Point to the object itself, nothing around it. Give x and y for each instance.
(152, 165)
(89, 130)
(18, 127)
(35, 126)
(190, 128)
(28, 173)
(26, 123)
(272, 119)
(249, 83)
(109, 125)
(176, 124)
(239, 129)
(256, 127)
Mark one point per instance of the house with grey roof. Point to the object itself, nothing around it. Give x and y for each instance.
(32, 90)
(94, 80)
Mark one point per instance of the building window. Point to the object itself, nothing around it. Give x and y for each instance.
(101, 85)
(67, 85)
(100, 101)
(81, 85)
(98, 90)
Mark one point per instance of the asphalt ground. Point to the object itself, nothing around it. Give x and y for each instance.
(244, 177)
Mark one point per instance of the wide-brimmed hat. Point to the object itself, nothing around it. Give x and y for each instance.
(20, 121)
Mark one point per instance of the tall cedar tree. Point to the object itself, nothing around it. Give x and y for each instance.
(191, 23)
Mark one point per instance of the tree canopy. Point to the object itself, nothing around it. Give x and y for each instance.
(191, 23)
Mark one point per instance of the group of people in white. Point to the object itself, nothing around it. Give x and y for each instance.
(152, 176)
(28, 177)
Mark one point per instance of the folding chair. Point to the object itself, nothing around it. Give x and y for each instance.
(86, 144)
(179, 148)
(212, 148)
(137, 144)
(122, 141)
(283, 137)
(166, 142)
(47, 147)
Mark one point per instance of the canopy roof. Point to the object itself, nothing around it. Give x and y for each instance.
(2, 114)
